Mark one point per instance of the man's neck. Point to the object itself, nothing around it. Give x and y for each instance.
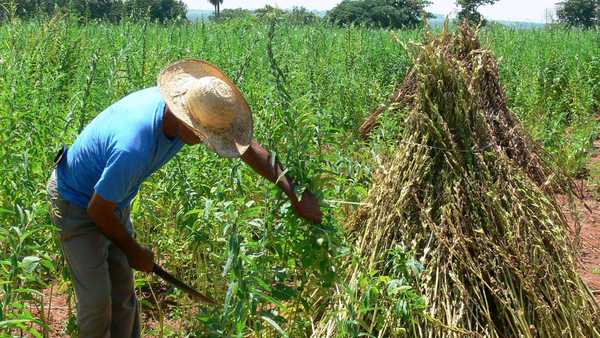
(169, 125)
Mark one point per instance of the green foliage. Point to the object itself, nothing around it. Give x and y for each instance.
(268, 12)
(109, 10)
(553, 87)
(155, 10)
(231, 14)
(302, 16)
(214, 222)
(579, 13)
(380, 303)
(29, 8)
(469, 10)
(296, 16)
(217, 5)
(380, 13)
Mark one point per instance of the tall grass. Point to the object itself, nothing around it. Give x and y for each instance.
(212, 221)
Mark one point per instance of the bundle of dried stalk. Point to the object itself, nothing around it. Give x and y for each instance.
(495, 247)
(509, 135)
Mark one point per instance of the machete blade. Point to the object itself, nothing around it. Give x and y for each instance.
(167, 277)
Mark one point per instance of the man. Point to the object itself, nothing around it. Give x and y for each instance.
(93, 184)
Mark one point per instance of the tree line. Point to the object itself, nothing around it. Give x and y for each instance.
(579, 13)
(411, 13)
(406, 13)
(108, 10)
(372, 13)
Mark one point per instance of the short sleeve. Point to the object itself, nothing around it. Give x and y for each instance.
(120, 177)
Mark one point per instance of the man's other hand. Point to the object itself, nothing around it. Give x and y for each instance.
(141, 259)
(308, 208)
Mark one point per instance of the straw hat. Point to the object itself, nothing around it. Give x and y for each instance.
(208, 102)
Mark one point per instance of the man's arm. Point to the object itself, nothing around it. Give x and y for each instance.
(259, 159)
(102, 212)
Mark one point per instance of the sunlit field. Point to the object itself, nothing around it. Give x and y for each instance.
(213, 222)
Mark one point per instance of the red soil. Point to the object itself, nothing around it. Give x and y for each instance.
(58, 310)
(588, 212)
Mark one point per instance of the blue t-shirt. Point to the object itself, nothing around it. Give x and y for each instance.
(117, 151)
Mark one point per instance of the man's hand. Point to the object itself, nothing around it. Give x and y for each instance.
(308, 208)
(102, 212)
(141, 259)
(259, 159)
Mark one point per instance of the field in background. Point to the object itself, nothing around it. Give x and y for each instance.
(212, 221)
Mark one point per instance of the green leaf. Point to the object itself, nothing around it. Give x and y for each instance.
(274, 325)
(265, 297)
(415, 266)
(14, 322)
(6, 211)
(29, 263)
(283, 292)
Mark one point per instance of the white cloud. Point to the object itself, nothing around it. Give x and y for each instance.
(519, 10)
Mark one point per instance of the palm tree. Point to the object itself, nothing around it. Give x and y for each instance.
(217, 4)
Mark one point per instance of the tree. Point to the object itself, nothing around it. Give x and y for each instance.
(301, 16)
(579, 13)
(156, 10)
(380, 13)
(268, 12)
(295, 16)
(231, 14)
(98, 9)
(217, 5)
(29, 8)
(469, 10)
(108, 10)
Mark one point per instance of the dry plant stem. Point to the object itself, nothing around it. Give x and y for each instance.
(507, 132)
(495, 246)
(49, 317)
(160, 313)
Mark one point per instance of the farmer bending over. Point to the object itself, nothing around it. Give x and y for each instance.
(94, 182)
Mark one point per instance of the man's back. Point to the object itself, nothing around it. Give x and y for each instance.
(120, 148)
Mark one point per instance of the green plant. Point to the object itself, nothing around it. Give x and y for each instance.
(200, 211)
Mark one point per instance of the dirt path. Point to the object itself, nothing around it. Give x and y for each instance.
(59, 311)
(588, 211)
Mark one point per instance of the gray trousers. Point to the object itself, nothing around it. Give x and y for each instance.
(103, 280)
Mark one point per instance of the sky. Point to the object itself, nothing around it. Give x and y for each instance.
(514, 10)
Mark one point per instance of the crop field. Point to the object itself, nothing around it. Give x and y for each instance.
(213, 222)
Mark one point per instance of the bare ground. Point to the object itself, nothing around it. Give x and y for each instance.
(588, 213)
(59, 310)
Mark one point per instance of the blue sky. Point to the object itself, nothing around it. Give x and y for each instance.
(516, 10)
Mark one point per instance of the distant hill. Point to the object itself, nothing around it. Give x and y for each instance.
(199, 14)
(438, 20)
(521, 24)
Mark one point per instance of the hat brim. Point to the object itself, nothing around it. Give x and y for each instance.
(173, 84)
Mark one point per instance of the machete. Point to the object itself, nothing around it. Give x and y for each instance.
(167, 277)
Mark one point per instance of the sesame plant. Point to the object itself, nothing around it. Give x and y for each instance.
(213, 222)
